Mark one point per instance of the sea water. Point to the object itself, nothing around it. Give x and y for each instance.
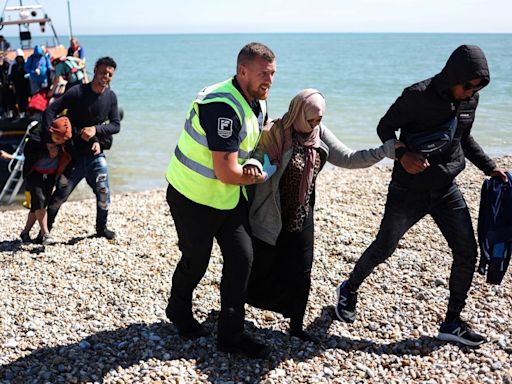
(360, 76)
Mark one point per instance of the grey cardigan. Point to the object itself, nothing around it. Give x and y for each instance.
(265, 210)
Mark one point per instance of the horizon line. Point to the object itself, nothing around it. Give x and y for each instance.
(271, 33)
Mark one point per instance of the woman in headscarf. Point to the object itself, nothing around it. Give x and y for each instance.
(281, 212)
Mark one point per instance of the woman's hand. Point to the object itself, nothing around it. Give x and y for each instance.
(251, 170)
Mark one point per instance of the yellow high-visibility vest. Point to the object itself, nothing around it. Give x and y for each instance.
(190, 170)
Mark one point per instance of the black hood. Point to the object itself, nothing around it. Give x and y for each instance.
(466, 63)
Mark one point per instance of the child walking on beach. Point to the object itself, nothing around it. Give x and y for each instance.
(43, 162)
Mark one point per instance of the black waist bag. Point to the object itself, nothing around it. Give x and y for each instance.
(432, 142)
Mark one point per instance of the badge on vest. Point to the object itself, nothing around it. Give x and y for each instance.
(225, 127)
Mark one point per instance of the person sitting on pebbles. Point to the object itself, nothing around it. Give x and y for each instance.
(282, 209)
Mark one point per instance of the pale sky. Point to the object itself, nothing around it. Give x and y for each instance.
(266, 16)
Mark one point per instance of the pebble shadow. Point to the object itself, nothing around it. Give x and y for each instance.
(77, 239)
(10, 245)
(95, 356)
(423, 345)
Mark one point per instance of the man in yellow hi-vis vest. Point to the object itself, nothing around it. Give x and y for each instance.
(207, 173)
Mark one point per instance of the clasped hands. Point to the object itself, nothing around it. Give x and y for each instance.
(254, 168)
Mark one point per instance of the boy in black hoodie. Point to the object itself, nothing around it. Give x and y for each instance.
(424, 184)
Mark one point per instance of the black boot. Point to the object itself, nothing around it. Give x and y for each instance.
(39, 238)
(25, 237)
(245, 345)
(188, 327)
(105, 232)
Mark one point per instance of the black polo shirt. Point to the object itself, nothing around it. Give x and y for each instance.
(222, 125)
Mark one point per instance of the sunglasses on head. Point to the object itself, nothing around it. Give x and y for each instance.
(472, 87)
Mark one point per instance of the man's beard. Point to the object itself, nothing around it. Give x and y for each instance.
(258, 93)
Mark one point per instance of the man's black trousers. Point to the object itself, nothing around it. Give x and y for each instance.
(197, 225)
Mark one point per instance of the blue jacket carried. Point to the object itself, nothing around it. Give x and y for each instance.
(495, 228)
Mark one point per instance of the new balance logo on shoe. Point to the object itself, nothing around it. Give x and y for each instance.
(346, 306)
(459, 332)
(342, 301)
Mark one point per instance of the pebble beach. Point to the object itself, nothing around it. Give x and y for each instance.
(89, 310)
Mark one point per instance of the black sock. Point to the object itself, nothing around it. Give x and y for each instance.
(451, 316)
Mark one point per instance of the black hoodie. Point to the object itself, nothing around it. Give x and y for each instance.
(426, 105)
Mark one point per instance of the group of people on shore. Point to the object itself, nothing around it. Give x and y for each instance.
(249, 183)
(67, 146)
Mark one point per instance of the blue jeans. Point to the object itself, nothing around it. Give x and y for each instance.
(94, 169)
(404, 208)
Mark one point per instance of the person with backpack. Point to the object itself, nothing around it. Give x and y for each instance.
(435, 117)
